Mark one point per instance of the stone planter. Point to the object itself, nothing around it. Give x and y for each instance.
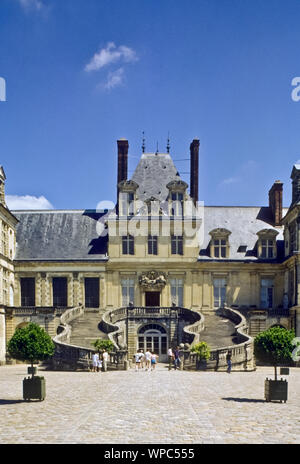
(34, 388)
(276, 390)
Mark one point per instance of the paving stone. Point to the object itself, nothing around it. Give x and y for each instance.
(159, 407)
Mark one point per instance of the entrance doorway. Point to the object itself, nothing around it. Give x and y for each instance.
(152, 299)
(153, 337)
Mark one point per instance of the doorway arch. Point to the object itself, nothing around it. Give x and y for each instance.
(153, 337)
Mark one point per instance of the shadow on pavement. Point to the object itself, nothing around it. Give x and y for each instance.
(10, 401)
(244, 400)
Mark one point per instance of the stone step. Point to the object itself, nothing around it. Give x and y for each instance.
(218, 331)
(85, 329)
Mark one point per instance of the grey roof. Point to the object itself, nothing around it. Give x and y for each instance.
(72, 235)
(152, 174)
(59, 235)
(243, 222)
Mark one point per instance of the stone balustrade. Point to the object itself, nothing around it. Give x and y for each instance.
(242, 356)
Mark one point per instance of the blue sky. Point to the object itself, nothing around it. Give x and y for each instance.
(81, 74)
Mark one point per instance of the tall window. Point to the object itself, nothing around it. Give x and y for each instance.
(177, 245)
(267, 248)
(127, 202)
(128, 245)
(28, 291)
(60, 291)
(266, 293)
(152, 245)
(177, 204)
(91, 285)
(219, 292)
(220, 247)
(127, 291)
(176, 291)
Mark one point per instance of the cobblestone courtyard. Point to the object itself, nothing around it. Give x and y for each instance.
(163, 407)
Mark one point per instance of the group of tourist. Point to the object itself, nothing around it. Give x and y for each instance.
(100, 361)
(146, 361)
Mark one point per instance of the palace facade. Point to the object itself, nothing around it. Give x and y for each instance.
(159, 247)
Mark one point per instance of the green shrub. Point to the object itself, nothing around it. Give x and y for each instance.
(31, 344)
(274, 346)
(102, 345)
(202, 350)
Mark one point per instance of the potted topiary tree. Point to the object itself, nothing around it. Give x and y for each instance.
(203, 354)
(274, 346)
(32, 344)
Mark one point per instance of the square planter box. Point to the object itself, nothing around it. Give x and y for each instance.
(34, 388)
(276, 390)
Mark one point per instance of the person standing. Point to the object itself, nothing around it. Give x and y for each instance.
(99, 365)
(142, 359)
(137, 358)
(176, 358)
(148, 360)
(170, 357)
(104, 360)
(153, 361)
(95, 359)
(228, 359)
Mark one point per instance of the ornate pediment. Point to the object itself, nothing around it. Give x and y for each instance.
(153, 280)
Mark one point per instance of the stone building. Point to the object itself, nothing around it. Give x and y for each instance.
(158, 259)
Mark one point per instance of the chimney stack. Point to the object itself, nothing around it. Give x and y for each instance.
(275, 202)
(122, 159)
(194, 170)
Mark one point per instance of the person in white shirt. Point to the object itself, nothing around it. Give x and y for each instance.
(104, 360)
(137, 357)
(95, 359)
(148, 360)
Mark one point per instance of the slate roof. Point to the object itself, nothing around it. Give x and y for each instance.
(72, 235)
(59, 235)
(152, 174)
(243, 222)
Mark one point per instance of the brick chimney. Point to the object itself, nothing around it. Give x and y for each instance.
(194, 169)
(275, 201)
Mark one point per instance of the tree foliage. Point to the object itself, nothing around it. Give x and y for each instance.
(202, 350)
(31, 344)
(102, 345)
(274, 346)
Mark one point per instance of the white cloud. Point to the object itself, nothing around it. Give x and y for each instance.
(15, 202)
(230, 180)
(111, 54)
(114, 79)
(250, 167)
(31, 4)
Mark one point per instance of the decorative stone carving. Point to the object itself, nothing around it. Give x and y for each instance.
(153, 280)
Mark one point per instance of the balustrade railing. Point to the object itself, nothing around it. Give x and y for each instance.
(242, 357)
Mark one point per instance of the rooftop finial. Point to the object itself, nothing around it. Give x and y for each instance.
(143, 145)
(168, 143)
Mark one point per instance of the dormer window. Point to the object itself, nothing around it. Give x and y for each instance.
(219, 245)
(127, 189)
(266, 248)
(177, 194)
(220, 248)
(177, 204)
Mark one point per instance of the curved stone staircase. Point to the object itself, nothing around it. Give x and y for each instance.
(85, 329)
(219, 331)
